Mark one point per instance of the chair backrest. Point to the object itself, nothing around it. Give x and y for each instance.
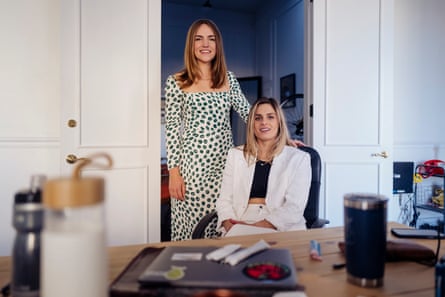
(311, 210)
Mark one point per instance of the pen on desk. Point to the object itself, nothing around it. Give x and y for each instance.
(315, 250)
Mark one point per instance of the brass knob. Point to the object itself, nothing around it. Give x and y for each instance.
(71, 159)
(72, 123)
(383, 154)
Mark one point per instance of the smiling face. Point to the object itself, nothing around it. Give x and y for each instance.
(204, 44)
(266, 124)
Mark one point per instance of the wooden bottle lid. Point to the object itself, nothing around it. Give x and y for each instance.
(76, 191)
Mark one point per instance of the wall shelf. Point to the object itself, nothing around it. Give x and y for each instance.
(429, 194)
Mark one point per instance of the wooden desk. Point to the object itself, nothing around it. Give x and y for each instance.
(401, 279)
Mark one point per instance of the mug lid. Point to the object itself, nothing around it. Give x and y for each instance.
(365, 201)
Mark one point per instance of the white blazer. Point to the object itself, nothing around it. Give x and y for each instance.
(287, 191)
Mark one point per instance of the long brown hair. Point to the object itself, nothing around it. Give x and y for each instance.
(251, 147)
(191, 71)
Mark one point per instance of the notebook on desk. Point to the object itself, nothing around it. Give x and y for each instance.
(188, 267)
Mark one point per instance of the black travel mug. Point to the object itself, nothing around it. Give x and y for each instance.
(365, 218)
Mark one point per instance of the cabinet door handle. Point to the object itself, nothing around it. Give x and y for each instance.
(383, 154)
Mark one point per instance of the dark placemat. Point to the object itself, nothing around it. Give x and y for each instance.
(126, 284)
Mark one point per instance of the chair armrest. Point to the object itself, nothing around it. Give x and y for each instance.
(319, 223)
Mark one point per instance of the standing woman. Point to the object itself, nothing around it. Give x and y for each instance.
(198, 131)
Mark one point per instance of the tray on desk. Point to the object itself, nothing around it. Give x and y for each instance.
(125, 284)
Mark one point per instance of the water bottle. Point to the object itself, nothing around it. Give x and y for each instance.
(74, 255)
(28, 222)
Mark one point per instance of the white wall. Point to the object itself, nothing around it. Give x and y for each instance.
(419, 80)
(29, 95)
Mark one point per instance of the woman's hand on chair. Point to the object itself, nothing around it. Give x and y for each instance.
(296, 143)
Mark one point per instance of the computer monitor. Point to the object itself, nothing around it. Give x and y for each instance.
(403, 177)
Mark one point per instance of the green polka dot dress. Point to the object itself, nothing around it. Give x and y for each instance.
(198, 137)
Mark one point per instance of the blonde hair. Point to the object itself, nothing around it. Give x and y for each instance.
(251, 147)
(191, 71)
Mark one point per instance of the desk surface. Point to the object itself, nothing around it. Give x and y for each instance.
(401, 279)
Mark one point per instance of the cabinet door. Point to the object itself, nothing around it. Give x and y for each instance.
(350, 83)
(110, 55)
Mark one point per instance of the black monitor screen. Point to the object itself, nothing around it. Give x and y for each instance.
(403, 177)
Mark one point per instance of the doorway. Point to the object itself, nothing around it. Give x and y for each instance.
(261, 40)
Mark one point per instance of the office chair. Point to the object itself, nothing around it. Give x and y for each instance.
(206, 227)
(312, 206)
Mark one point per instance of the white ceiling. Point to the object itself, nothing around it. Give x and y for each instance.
(248, 6)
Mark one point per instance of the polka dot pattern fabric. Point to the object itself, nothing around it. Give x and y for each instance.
(198, 137)
(210, 231)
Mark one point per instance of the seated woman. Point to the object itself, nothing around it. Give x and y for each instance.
(266, 182)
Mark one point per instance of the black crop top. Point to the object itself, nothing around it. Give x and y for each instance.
(260, 180)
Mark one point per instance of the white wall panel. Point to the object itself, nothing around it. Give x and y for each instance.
(358, 68)
(114, 47)
(30, 100)
(29, 69)
(124, 206)
(338, 182)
